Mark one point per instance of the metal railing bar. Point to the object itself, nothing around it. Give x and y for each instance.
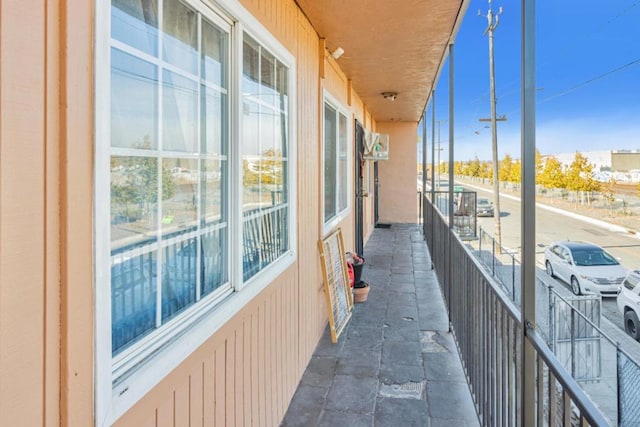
(553, 397)
(540, 389)
(566, 407)
(587, 409)
(512, 371)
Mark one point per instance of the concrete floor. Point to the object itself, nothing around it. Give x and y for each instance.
(395, 363)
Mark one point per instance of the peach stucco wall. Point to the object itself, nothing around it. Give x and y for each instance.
(247, 372)
(46, 279)
(398, 175)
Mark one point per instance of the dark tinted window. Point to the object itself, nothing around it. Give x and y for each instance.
(591, 257)
(631, 281)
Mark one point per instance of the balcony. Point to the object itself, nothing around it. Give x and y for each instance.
(435, 346)
(396, 362)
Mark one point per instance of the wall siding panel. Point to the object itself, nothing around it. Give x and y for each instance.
(196, 394)
(239, 375)
(181, 403)
(23, 103)
(208, 390)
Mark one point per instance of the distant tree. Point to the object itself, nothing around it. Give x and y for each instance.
(486, 170)
(266, 170)
(458, 168)
(579, 176)
(516, 173)
(539, 165)
(138, 182)
(608, 194)
(552, 174)
(504, 168)
(473, 167)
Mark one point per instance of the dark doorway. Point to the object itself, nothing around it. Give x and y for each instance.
(359, 161)
(376, 214)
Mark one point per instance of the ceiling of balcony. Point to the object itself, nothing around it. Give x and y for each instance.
(389, 46)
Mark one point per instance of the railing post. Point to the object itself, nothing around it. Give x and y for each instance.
(493, 257)
(573, 342)
(618, 376)
(513, 277)
(550, 319)
(528, 211)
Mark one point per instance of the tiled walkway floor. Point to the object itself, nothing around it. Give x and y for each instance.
(395, 363)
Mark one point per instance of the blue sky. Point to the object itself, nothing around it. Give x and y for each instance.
(588, 75)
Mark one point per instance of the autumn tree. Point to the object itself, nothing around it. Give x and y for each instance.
(458, 168)
(485, 170)
(473, 167)
(515, 174)
(504, 168)
(579, 176)
(608, 194)
(552, 174)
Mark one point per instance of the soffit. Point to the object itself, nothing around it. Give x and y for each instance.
(389, 45)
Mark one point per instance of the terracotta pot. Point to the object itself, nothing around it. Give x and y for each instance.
(360, 294)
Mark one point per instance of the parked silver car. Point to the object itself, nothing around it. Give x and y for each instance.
(586, 267)
(484, 207)
(629, 304)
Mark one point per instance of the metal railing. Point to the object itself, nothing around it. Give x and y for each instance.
(571, 327)
(489, 335)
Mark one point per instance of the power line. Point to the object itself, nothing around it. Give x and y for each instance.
(617, 16)
(591, 80)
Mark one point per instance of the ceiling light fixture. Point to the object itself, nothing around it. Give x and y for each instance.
(390, 96)
(337, 53)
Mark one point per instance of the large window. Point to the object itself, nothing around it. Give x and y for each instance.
(196, 195)
(336, 180)
(169, 164)
(264, 157)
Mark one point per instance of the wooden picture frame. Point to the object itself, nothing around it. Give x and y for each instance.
(336, 282)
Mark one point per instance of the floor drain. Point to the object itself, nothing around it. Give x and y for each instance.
(408, 390)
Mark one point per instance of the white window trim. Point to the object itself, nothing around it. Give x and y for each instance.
(328, 226)
(112, 401)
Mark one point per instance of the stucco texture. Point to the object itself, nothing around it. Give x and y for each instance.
(397, 176)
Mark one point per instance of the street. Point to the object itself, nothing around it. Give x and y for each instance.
(550, 227)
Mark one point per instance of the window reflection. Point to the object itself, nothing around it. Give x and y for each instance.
(179, 113)
(169, 208)
(213, 199)
(264, 149)
(134, 198)
(134, 102)
(135, 22)
(180, 42)
(329, 162)
(214, 121)
(179, 195)
(214, 55)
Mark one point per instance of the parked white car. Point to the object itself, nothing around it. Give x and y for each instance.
(586, 267)
(629, 304)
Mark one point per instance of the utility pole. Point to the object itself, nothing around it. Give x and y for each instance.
(439, 149)
(493, 20)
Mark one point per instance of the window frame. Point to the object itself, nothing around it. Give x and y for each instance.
(329, 224)
(118, 388)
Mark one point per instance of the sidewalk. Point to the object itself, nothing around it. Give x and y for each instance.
(395, 363)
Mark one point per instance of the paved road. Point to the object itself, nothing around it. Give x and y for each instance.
(551, 226)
